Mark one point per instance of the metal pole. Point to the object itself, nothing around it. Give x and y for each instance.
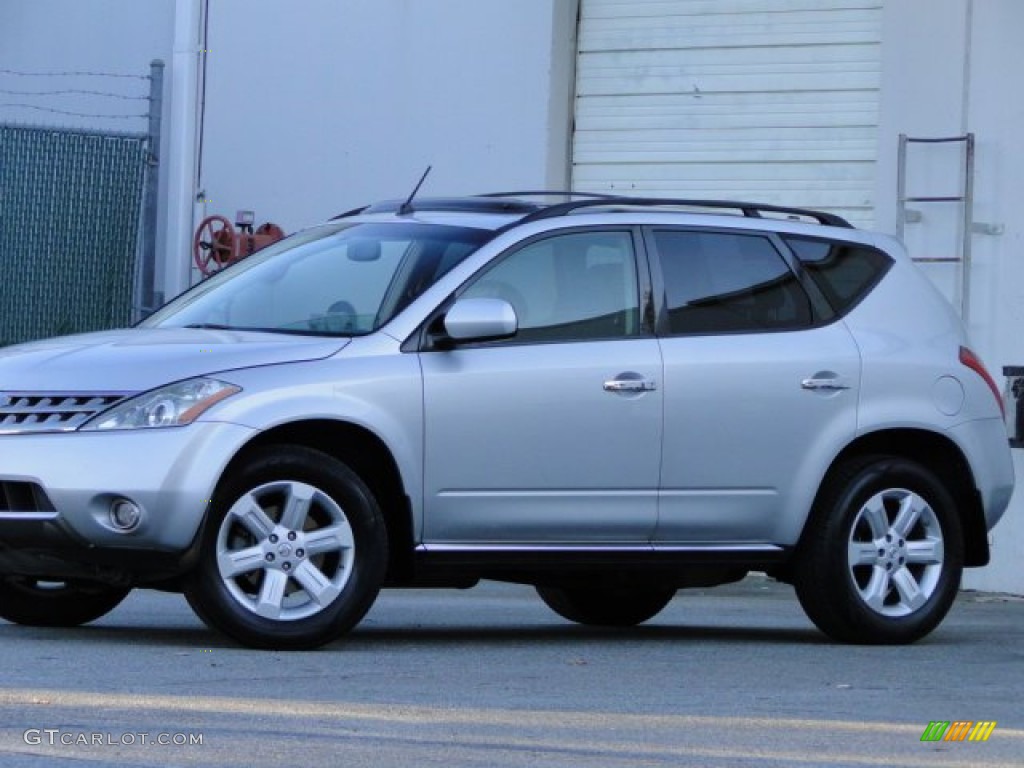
(147, 294)
(901, 186)
(965, 252)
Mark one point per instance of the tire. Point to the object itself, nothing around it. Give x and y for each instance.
(881, 559)
(607, 606)
(42, 603)
(293, 553)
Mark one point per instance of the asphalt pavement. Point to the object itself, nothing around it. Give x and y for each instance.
(733, 676)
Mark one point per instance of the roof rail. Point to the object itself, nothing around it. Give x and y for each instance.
(511, 203)
(552, 193)
(750, 210)
(477, 204)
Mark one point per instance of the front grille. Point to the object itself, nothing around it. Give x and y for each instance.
(50, 412)
(23, 497)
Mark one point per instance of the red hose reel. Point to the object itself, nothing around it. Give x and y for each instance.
(218, 242)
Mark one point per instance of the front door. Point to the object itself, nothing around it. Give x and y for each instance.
(551, 437)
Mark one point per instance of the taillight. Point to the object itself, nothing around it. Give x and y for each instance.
(973, 362)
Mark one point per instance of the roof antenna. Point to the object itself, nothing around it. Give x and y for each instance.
(406, 207)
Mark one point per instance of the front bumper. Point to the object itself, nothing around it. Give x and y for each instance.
(169, 473)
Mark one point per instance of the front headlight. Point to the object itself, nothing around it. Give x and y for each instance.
(172, 406)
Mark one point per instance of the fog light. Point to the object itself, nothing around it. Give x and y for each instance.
(124, 514)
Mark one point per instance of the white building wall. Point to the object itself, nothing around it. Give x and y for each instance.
(115, 36)
(996, 116)
(315, 108)
(947, 69)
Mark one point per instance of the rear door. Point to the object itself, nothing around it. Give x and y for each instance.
(761, 385)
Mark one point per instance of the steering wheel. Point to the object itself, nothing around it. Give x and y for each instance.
(341, 317)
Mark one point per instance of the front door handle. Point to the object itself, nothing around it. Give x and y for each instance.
(630, 385)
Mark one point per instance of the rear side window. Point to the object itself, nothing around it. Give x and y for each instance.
(724, 282)
(845, 272)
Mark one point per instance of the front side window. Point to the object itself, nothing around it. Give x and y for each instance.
(724, 282)
(568, 287)
(341, 279)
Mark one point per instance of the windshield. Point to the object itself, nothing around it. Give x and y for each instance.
(341, 279)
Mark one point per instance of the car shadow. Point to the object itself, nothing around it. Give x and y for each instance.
(370, 637)
(570, 634)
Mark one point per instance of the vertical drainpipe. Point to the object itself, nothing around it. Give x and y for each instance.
(182, 158)
(145, 290)
(562, 93)
(967, 182)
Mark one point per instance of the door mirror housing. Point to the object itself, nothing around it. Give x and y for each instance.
(481, 320)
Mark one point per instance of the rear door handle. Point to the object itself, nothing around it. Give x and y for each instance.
(630, 385)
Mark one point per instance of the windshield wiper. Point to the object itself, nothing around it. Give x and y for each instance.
(313, 332)
(288, 331)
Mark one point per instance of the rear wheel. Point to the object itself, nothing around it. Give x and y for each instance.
(294, 552)
(41, 603)
(607, 606)
(882, 557)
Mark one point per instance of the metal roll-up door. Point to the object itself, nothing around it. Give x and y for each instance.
(770, 100)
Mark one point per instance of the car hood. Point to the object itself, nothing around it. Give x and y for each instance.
(137, 359)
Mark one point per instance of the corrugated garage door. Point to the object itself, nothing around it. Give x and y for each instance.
(770, 100)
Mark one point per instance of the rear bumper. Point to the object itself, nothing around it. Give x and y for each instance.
(987, 447)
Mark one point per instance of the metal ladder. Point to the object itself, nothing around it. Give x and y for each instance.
(965, 198)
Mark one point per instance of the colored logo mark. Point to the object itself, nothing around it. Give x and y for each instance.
(958, 730)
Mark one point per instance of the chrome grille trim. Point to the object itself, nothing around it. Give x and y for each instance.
(22, 412)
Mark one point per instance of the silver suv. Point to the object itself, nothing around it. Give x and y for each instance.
(606, 398)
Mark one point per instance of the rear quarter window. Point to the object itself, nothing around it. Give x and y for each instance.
(844, 272)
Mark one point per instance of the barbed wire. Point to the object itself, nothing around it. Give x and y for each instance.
(19, 73)
(72, 91)
(75, 114)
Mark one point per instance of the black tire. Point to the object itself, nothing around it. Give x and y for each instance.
(264, 597)
(866, 574)
(607, 606)
(42, 603)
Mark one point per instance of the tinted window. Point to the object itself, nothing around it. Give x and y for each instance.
(844, 272)
(724, 282)
(568, 287)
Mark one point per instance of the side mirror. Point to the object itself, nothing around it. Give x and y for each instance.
(480, 320)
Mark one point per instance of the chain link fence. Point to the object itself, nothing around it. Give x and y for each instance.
(69, 221)
(71, 226)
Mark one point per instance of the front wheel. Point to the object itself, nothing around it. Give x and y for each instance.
(607, 606)
(41, 603)
(881, 559)
(294, 551)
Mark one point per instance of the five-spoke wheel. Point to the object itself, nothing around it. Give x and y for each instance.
(895, 552)
(291, 567)
(882, 555)
(294, 551)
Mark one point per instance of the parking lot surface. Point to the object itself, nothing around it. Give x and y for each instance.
(733, 676)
